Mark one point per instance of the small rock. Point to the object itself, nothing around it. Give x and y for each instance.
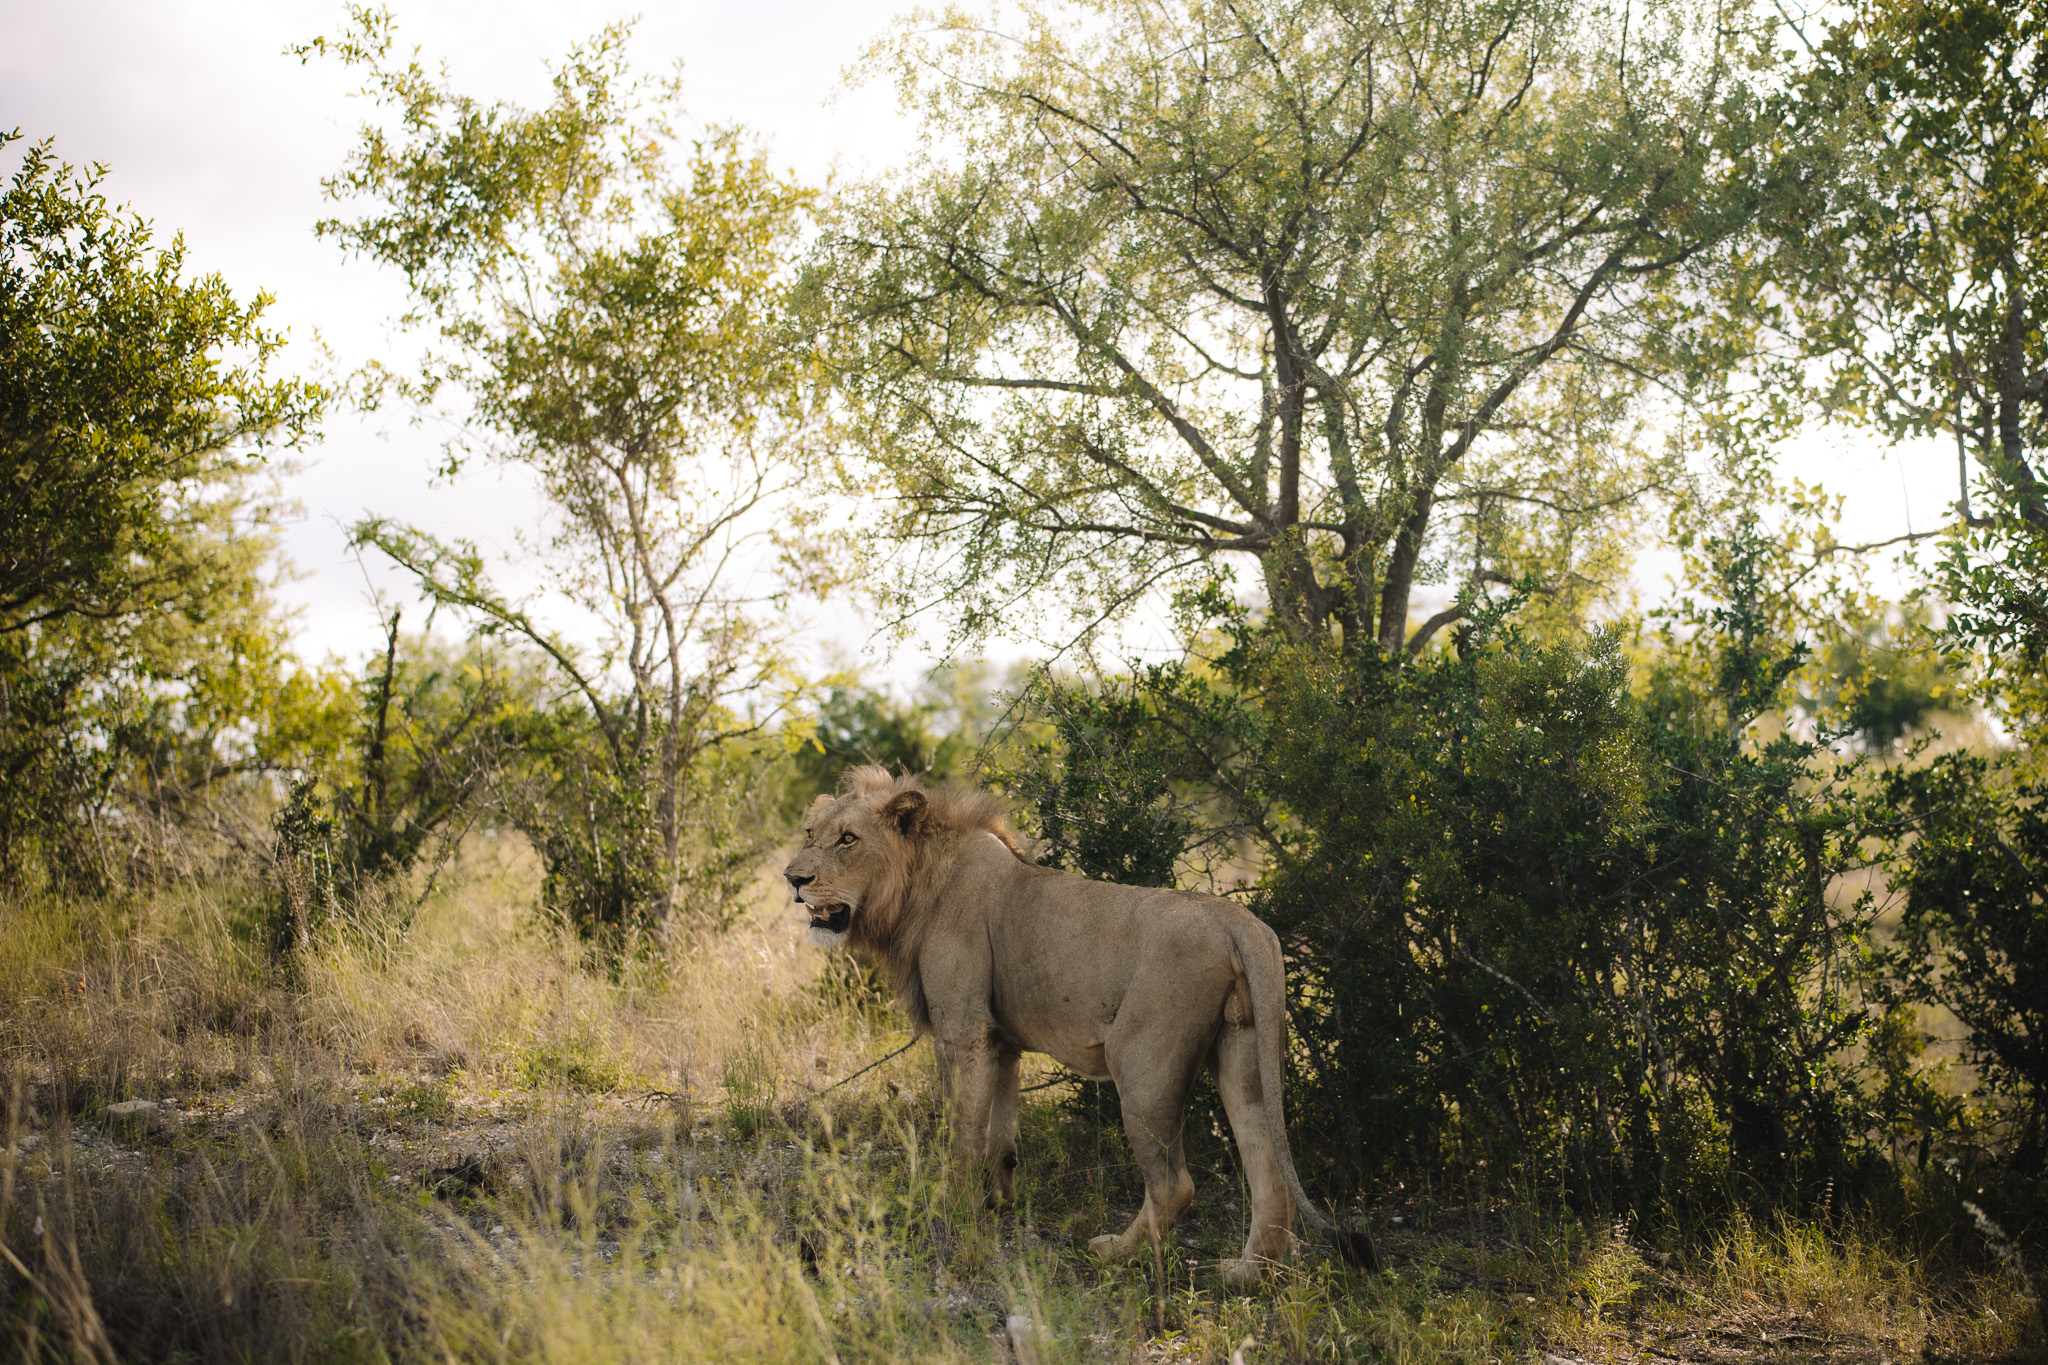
(470, 1175)
(141, 1116)
(1024, 1340)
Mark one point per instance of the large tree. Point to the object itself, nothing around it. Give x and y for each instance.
(597, 294)
(142, 657)
(1183, 281)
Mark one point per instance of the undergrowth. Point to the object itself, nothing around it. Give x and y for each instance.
(466, 1141)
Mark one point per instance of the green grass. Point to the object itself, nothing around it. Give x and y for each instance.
(573, 1062)
(461, 1144)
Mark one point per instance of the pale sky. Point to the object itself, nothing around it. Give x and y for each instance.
(209, 129)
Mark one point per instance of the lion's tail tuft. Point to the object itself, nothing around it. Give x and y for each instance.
(1358, 1250)
(1258, 951)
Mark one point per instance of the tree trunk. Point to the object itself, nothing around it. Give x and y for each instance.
(2015, 472)
(374, 768)
(1400, 582)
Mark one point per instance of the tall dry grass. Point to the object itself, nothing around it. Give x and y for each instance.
(476, 986)
(456, 1137)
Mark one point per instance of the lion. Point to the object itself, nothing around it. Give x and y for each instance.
(996, 956)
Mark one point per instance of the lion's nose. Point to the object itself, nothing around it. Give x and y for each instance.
(797, 881)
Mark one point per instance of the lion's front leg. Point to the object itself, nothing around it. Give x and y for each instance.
(972, 1069)
(982, 1084)
(947, 1064)
(1001, 1139)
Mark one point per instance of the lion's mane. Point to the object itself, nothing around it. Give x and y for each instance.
(902, 902)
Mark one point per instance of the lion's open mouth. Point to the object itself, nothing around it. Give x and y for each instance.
(831, 918)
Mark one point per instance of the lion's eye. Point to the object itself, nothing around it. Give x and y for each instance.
(848, 838)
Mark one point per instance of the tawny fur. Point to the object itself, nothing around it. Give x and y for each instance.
(995, 956)
(900, 902)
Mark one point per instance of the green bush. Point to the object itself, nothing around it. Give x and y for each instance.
(427, 1100)
(1536, 933)
(574, 1062)
(748, 1075)
(1973, 934)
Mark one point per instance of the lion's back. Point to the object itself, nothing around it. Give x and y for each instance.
(1043, 914)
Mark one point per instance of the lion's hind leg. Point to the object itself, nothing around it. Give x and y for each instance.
(1153, 1105)
(1169, 1189)
(1237, 1077)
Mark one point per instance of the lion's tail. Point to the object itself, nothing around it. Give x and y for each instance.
(1259, 951)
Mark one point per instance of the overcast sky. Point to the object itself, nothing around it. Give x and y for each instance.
(209, 129)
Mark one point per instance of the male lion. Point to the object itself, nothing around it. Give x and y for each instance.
(996, 957)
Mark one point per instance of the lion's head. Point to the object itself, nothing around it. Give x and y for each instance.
(856, 858)
(870, 854)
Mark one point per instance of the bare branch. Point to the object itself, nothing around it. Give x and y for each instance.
(1425, 631)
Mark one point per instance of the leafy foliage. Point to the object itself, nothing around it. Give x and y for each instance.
(1996, 578)
(937, 731)
(1881, 677)
(440, 736)
(126, 391)
(1531, 931)
(1920, 284)
(1973, 935)
(607, 315)
(1289, 285)
(304, 858)
(143, 663)
(1106, 797)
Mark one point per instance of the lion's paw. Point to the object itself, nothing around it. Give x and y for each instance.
(1109, 1246)
(1246, 1273)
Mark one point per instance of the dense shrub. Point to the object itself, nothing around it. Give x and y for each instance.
(1973, 933)
(1538, 931)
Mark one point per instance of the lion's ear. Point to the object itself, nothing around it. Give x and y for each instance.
(905, 810)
